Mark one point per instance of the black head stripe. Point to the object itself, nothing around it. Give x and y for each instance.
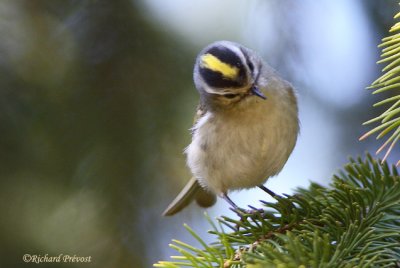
(216, 79)
(226, 55)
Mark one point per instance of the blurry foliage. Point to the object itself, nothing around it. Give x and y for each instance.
(86, 92)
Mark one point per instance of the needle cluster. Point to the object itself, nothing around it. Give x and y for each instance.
(352, 223)
(389, 120)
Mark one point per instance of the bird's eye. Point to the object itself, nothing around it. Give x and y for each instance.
(230, 96)
(251, 66)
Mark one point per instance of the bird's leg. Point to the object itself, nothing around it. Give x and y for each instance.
(227, 199)
(242, 213)
(268, 191)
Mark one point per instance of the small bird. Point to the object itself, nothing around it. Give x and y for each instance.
(245, 129)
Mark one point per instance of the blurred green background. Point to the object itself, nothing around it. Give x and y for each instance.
(97, 99)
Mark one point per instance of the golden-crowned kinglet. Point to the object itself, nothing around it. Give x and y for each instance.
(246, 125)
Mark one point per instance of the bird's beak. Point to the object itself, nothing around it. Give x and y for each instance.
(255, 91)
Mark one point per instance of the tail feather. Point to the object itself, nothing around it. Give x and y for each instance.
(191, 191)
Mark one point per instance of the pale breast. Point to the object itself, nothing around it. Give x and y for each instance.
(242, 149)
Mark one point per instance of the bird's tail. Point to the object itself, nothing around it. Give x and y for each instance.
(192, 190)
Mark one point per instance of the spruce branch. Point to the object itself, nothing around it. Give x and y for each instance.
(389, 80)
(354, 222)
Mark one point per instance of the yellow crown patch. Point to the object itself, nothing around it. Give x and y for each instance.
(211, 62)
